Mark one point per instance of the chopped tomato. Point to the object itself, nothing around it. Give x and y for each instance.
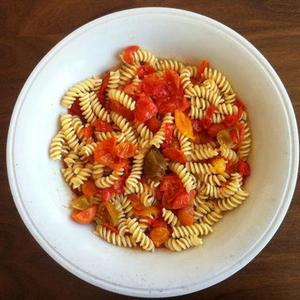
(169, 128)
(231, 120)
(172, 78)
(85, 216)
(113, 213)
(145, 69)
(145, 109)
(125, 150)
(120, 109)
(174, 154)
(224, 138)
(230, 167)
(237, 133)
(214, 129)
(243, 168)
(101, 125)
(132, 89)
(87, 132)
(136, 203)
(219, 165)
(119, 185)
(186, 216)
(153, 124)
(106, 194)
(182, 199)
(207, 120)
(184, 124)
(147, 212)
(202, 66)
(159, 222)
(103, 214)
(89, 188)
(75, 109)
(202, 138)
(159, 235)
(127, 54)
(103, 87)
(197, 126)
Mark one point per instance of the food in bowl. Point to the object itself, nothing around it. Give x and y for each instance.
(155, 151)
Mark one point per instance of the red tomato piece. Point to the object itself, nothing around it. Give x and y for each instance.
(159, 222)
(145, 69)
(89, 189)
(159, 235)
(202, 138)
(87, 132)
(102, 89)
(75, 109)
(153, 124)
(207, 120)
(106, 194)
(237, 133)
(85, 216)
(125, 150)
(243, 168)
(175, 154)
(186, 216)
(127, 54)
(203, 64)
(231, 120)
(145, 109)
(120, 109)
(182, 199)
(214, 129)
(169, 128)
(101, 125)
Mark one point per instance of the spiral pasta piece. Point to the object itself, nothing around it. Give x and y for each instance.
(214, 179)
(245, 147)
(56, 146)
(198, 229)
(183, 243)
(127, 72)
(97, 171)
(200, 168)
(104, 135)
(71, 159)
(114, 238)
(86, 107)
(69, 132)
(108, 181)
(229, 154)
(170, 217)
(169, 64)
(231, 187)
(213, 217)
(88, 149)
(144, 56)
(99, 111)
(114, 80)
(135, 174)
(211, 85)
(227, 109)
(204, 93)
(202, 152)
(122, 98)
(188, 180)
(139, 236)
(232, 202)
(185, 144)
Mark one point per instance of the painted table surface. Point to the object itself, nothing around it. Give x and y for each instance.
(28, 30)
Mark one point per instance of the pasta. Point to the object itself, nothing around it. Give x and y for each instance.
(155, 151)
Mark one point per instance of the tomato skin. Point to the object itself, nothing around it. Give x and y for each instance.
(145, 69)
(214, 129)
(159, 235)
(75, 109)
(101, 125)
(186, 216)
(169, 128)
(182, 200)
(203, 64)
(159, 222)
(243, 168)
(231, 120)
(237, 133)
(87, 132)
(207, 120)
(101, 92)
(145, 109)
(84, 216)
(184, 124)
(153, 124)
(132, 89)
(106, 194)
(174, 154)
(89, 189)
(125, 150)
(147, 212)
(127, 54)
(120, 109)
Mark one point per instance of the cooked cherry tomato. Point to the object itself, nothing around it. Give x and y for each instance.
(230, 167)
(204, 64)
(145, 69)
(153, 124)
(231, 120)
(89, 188)
(169, 128)
(136, 203)
(237, 133)
(80, 203)
(106, 194)
(186, 216)
(202, 138)
(243, 168)
(147, 212)
(159, 222)
(127, 54)
(101, 125)
(207, 120)
(224, 138)
(75, 109)
(145, 109)
(184, 124)
(182, 199)
(85, 216)
(101, 92)
(174, 154)
(219, 165)
(132, 89)
(120, 109)
(125, 150)
(87, 132)
(214, 129)
(159, 235)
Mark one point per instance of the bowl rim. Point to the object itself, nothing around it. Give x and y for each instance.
(223, 274)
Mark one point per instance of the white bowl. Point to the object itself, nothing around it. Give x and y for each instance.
(42, 197)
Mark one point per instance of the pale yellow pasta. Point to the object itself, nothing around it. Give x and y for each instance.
(135, 174)
(114, 80)
(202, 152)
(186, 177)
(108, 181)
(144, 56)
(232, 202)
(127, 72)
(198, 229)
(97, 171)
(202, 92)
(170, 217)
(200, 168)
(99, 111)
(213, 217)
(170, 64)
(183, 243)
(245, 147)
(232, 186)
(214, 179)
(86, 107)
(56, 146)
(211, 85)
(229, 154)
(227, 109)
(185, 144)
(69, 132)
(122, 98)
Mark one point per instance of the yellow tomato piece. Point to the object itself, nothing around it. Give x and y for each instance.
(219, 165)
(184, 124)
(224, 138)
(80, 203)
(113, 213)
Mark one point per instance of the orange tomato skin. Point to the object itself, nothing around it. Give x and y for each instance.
(84, 216)
(159, 235)
(186, 216)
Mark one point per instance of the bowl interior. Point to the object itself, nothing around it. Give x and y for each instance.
(45, 197)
